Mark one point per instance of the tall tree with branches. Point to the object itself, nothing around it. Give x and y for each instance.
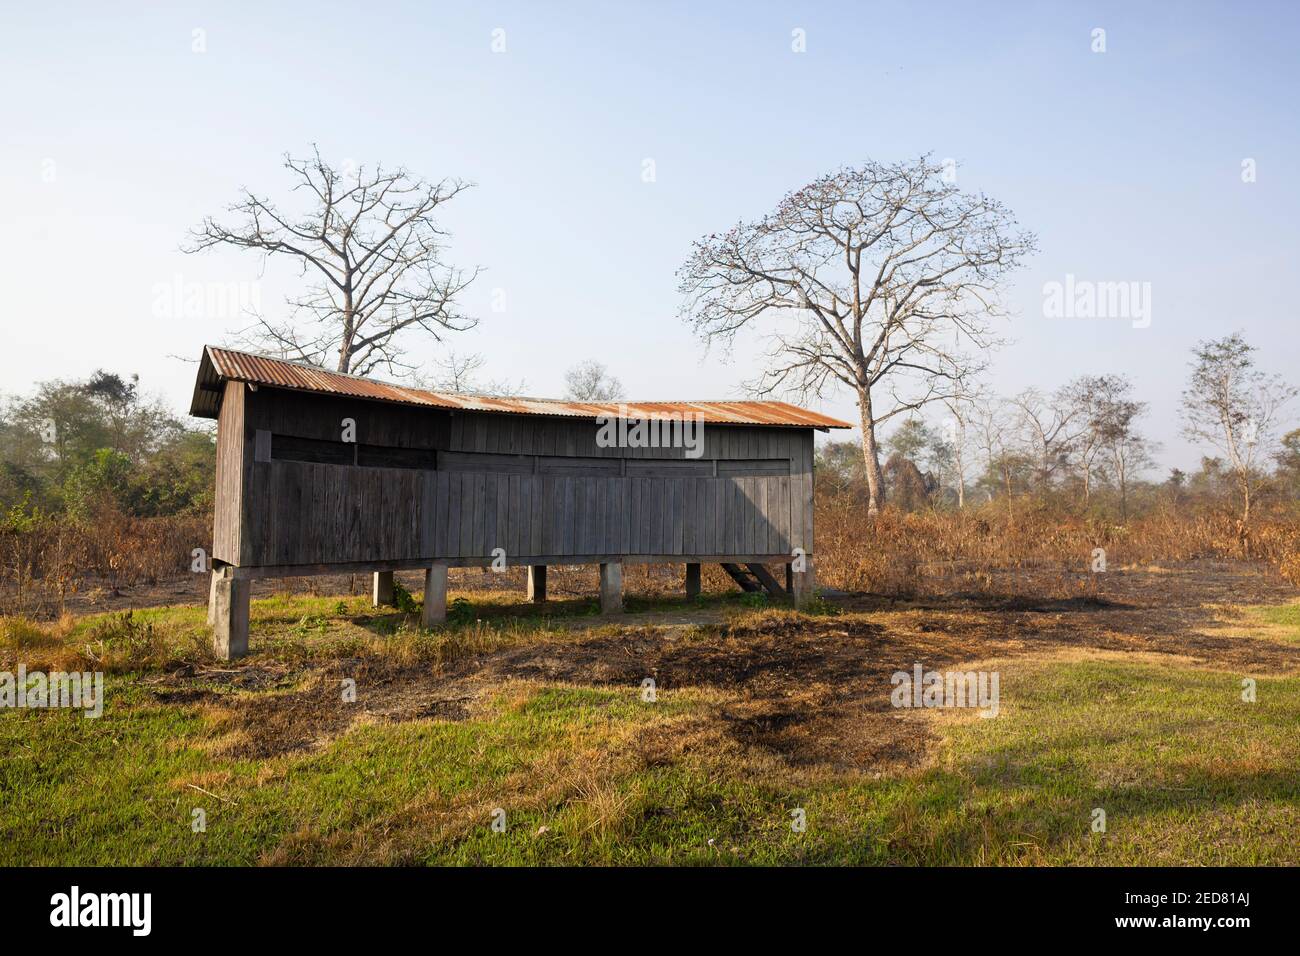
(1235, 406)
(1089, 396)
(370, 247)
(878, 278)
(962, 407)
(1113, 426)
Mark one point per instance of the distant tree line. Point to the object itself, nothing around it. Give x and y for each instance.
(72, 448)
(1083, 444)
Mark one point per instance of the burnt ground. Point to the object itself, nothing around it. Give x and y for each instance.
(807, 690)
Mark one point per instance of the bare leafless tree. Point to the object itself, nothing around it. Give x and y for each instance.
(992, 423)
(962, 412)
(1127, 450)
(1088, 394)
(371, 249)
(461, 372)
(883, 274)
(1049, 426)
(1234, 406)
(1112, 436)
(456, 372)
(590, 381)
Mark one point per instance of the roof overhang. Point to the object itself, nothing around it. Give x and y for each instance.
(218, 366)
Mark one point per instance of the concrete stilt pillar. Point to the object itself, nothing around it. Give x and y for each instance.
(537, 583)
(382, 593)
(212, 600)
(435, 596)
(611, 588)
(803, 584)
(692, 581)
(229, 614)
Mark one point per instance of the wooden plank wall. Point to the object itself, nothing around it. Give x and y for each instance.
(306, 513)
(230, 475)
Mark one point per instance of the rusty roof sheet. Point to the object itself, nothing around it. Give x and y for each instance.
(219, 365)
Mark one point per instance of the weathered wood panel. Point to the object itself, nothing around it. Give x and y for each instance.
(229, 488)
(537, 488)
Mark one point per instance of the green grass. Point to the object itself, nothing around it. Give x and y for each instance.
(1186, 772)
(296, 628)
(1286, 617)
(301, 627)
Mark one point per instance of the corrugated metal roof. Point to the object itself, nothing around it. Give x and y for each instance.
(219, 365)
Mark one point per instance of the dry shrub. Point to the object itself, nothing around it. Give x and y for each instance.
(906, 553)
(116, 643)
(603, 802)
(40, 646)
(1290, 568)
(49, 558)
(22, 634)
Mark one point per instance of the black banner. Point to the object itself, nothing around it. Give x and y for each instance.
(337, 905)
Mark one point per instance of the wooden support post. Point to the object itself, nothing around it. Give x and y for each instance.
(692, 581)
(537, 583)
(229, 614)
(789, 580)
(611, 588)
(382, 593)
(803, 583)
(435, 596)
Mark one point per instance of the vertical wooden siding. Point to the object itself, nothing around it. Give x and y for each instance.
(230, 476)
(307, 513)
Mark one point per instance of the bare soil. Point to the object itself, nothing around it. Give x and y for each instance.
(807, 690)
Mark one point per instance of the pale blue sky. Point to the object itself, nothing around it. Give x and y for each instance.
(116, 138)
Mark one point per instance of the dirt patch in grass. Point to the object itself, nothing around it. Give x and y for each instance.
(269, 725)
(806, 690)
(316, 711)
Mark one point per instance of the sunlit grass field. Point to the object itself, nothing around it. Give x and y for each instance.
(1284, 617)
(550, 772)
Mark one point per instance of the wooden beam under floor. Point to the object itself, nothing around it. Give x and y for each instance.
(765, 578)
